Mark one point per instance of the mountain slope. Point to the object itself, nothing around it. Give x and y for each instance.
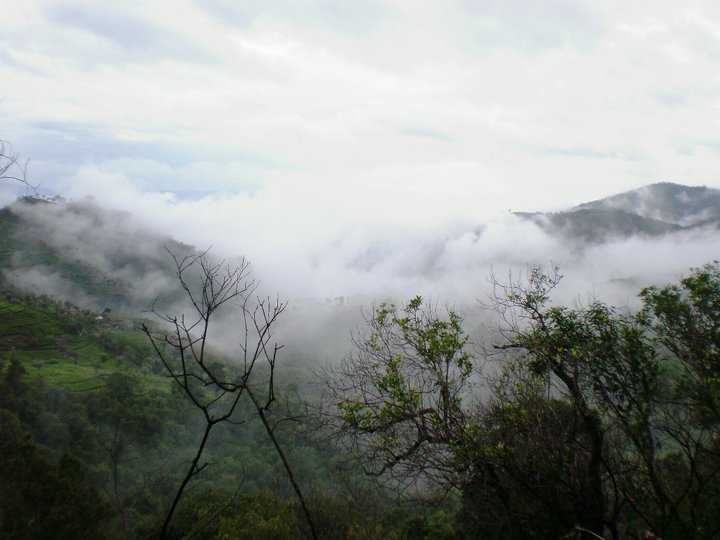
(664, 201)
(95, 257)
(598, 225)
(651, 211)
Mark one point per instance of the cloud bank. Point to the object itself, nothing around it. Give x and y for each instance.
(458, 107)
(309, 247)
(371, 149)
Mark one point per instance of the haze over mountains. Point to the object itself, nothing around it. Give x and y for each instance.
(98, 258)
(105, 258)
(665, 201)
(652, 211)
(86, 254)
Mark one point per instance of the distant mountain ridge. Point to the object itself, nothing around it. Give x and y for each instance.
(650, 211)
(100, 258)
(664, 201)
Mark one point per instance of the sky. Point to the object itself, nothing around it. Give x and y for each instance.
(294, 129)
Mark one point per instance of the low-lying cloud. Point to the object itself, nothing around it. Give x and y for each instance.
(332, 264)
(308, 246)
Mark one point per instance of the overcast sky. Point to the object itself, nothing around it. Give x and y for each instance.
(314, 115)
(445, 106)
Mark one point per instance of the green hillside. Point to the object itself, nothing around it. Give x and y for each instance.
(93, 256)
(70, 348)
(97, 433)
(93, 430)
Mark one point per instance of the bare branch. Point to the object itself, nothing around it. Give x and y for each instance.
(212, 384)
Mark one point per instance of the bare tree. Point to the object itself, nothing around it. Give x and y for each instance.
(11, 168)
(215, 388)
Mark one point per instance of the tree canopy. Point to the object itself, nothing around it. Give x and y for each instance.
(600, 421)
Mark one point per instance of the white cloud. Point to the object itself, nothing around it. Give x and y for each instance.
(317, 245)
(350, 124)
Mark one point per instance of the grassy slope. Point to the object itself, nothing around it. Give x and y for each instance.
(70, 348)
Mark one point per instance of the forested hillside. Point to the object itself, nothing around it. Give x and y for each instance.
(359, 270)
(95, 438)
(588, 421)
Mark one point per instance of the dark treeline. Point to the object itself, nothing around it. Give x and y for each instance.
(597, 423)
(94, 440)
(585, 422)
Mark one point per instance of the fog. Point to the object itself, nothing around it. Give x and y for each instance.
(331, 265)
(360, 152)
(308, 247)
(113, 248)
(354, 154)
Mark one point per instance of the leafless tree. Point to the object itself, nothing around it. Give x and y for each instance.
(11, 168)
(214, 387)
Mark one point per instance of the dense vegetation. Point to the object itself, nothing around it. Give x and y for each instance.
(599, 423)
(94, 440)
(576, 422)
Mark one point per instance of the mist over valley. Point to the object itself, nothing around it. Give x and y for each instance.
(380, 270)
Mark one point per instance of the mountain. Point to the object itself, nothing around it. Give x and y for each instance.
(651, 211)
(664, 201)
(99, 258)
(95, 257)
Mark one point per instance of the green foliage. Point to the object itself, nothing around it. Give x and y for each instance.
(403, 344)
(71, 348)
(597, 418)
(645, 388)
(685, 321)
(599, 422)
(240, 516)
(91, 392)
(406, 385)
(218, 514)
(87, 389)
(40, 498)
